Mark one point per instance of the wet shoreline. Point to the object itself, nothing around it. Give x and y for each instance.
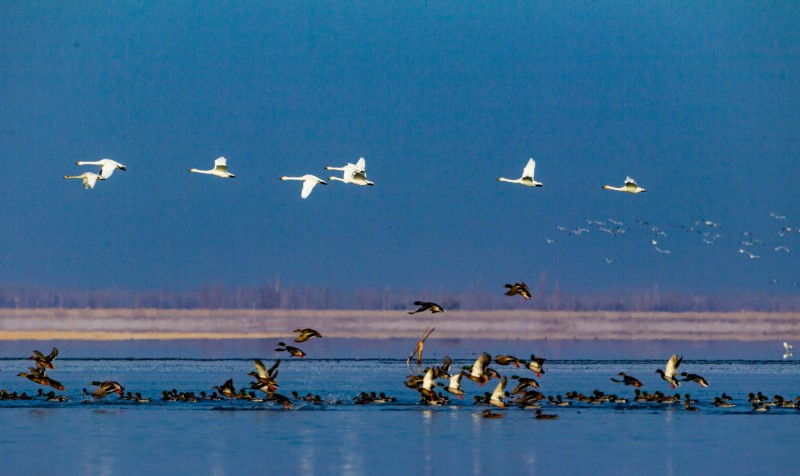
(160, 324)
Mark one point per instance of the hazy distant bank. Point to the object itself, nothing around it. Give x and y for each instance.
(123, 324)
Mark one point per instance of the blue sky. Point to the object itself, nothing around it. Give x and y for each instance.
(700, 103)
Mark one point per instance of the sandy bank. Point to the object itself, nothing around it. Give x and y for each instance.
(124, 324)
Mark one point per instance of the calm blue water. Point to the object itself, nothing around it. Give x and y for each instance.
(116, 436)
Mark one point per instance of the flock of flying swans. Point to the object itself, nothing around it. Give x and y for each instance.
(351, 173)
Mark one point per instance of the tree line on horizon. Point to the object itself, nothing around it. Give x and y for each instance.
(274, 296)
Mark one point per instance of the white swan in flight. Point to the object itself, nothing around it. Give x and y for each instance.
(527, 176)
(353, 173)
(629, 187)
(107, 166)
(220, 169)
(309, 182)
(89, 178)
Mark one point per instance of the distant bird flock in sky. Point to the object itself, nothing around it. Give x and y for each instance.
(356, 174)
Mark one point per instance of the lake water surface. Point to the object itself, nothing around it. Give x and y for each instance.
(117, 436)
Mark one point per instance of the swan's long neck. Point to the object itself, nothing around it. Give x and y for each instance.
(293, 178)
(339, 179)
(80, 162)
(510, 180)
(208, 172)
(618, 189)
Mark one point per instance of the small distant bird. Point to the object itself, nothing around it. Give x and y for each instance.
(749, 254)
(489, 414)
(507, 360)
(306, 334)
(227, 389)
(518, 288)
(309, 182)
(45, 360)
(527, 176)
(535, 365)
(89, 179)
(694, 378)
(545, 416)
(787, 347)
(418, 349)
(107, 166)
(220, 169)
(277, 397)
(627, 380)
(294, 351)
(427, 306)
(550, 241)
(668, 374)
(776, 216)
(106, 388)
(629, 187)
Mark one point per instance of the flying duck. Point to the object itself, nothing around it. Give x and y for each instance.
(478, 372)
(518, 288)
(507, 360)
(668, 374)
(499, 393)
(627, 380)
(694, 378)
(294, 351)
(427, 306)
(45, 360)
(306, 334)
(265, 379)
(535, 365)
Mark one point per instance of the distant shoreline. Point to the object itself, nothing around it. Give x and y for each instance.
(164, 324)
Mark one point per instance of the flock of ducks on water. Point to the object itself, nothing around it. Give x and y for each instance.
(435, 386)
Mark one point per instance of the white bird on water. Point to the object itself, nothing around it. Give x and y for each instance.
(107, 166)
(788, 348)
(353, 173)
(309, 182)
(220, 169)
(527, 176)
(89, 178)
(629, 187)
